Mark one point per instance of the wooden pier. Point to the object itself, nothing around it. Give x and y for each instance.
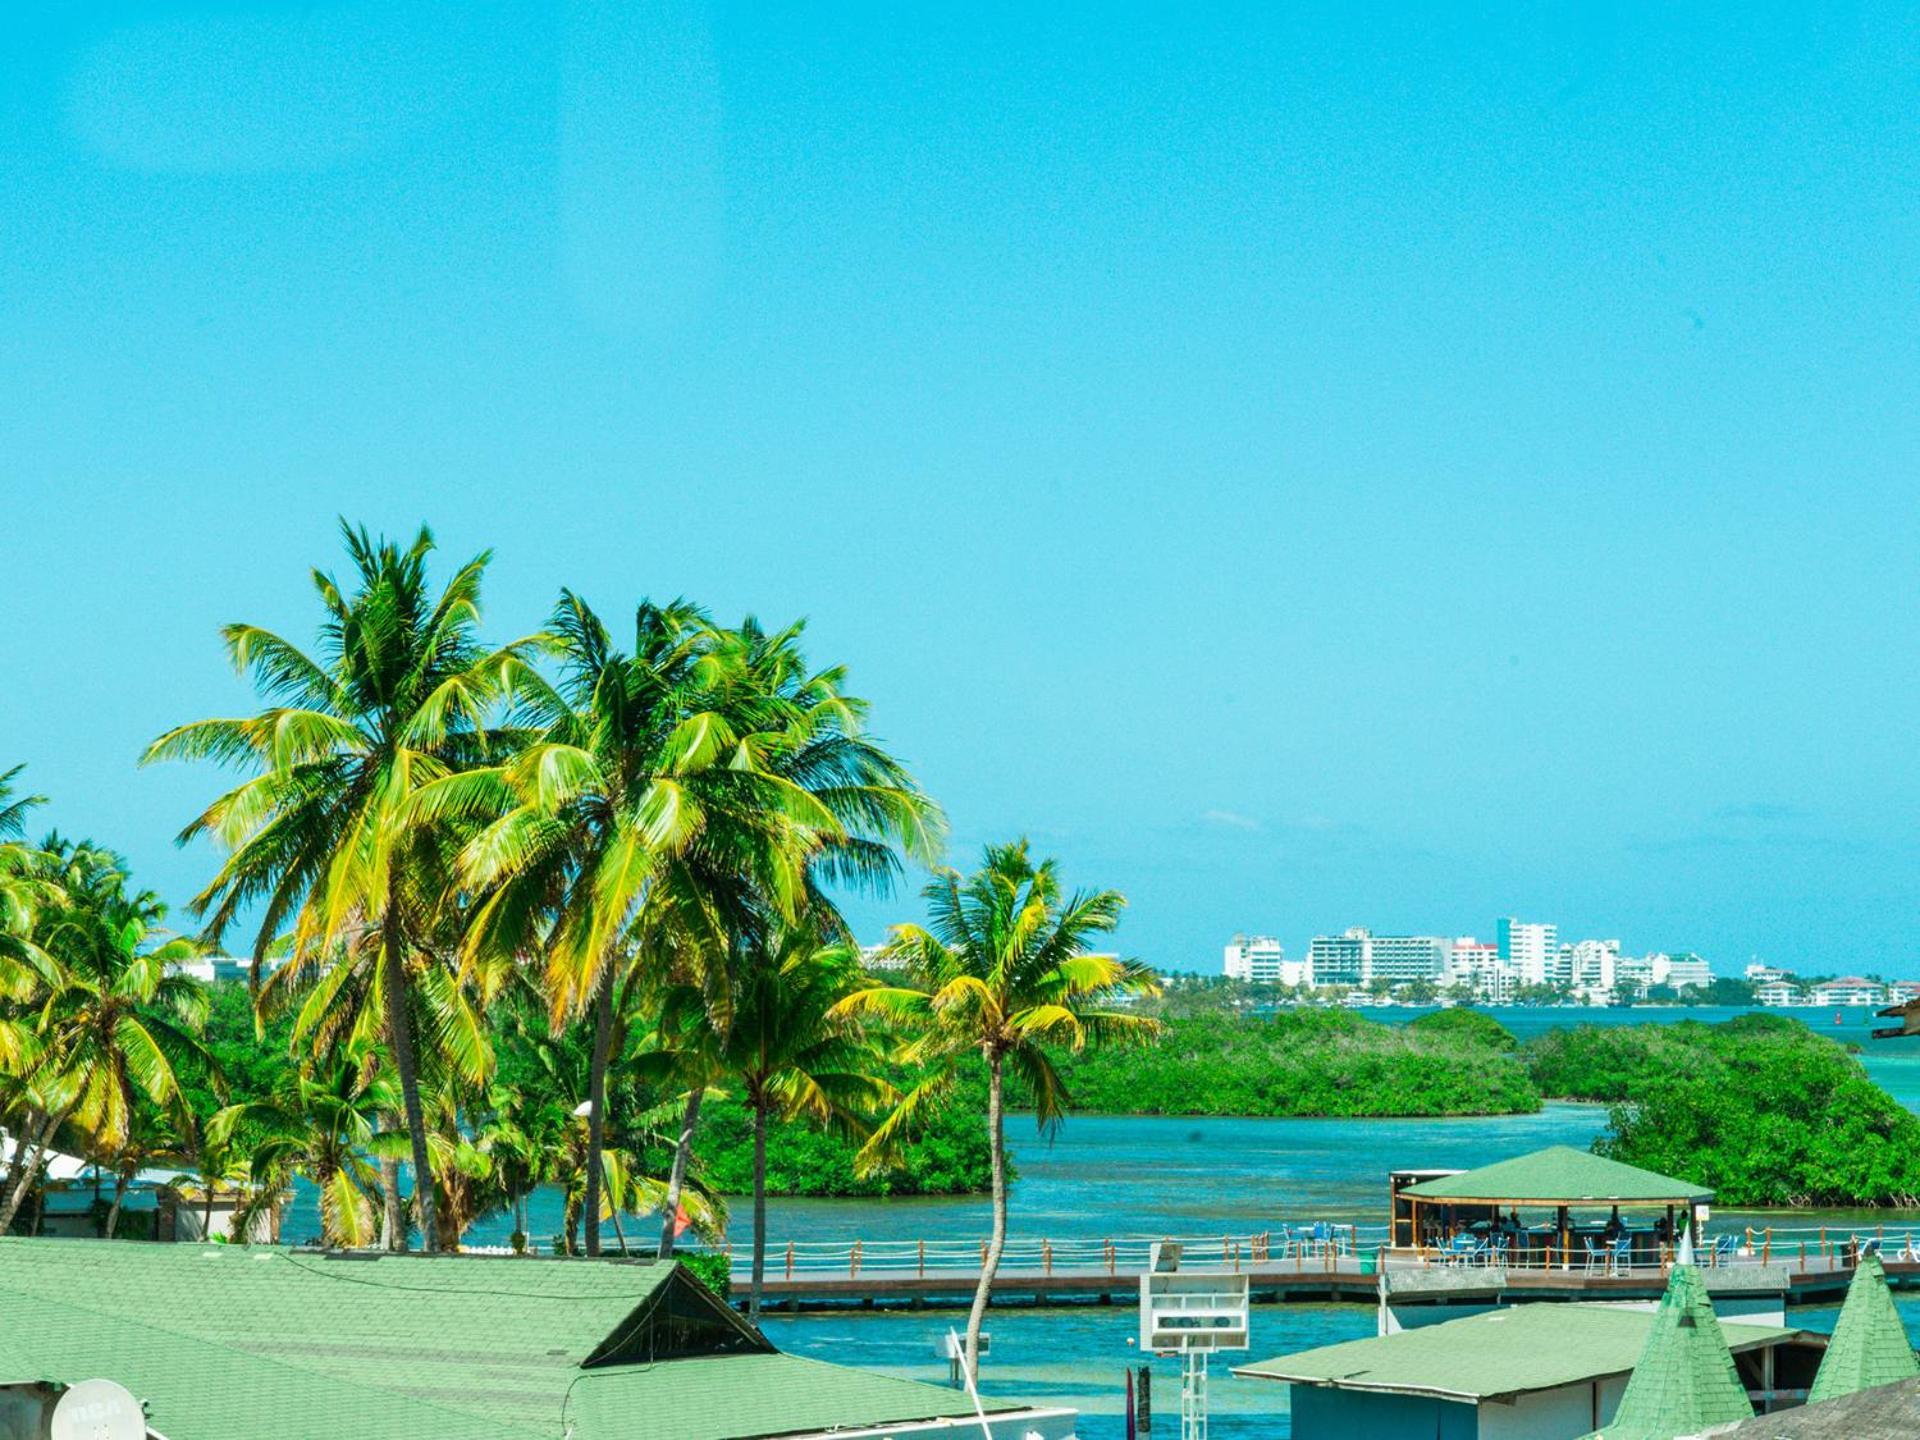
(1339, 1268)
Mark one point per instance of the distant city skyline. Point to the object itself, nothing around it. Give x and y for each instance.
(1286, 468)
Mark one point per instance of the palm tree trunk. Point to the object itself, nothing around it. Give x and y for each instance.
(24, 1174)
(119, 1194)
(400, 1037)
(597, 1107)
(759, 1211)
(677, 1176)
(206, 1225)
(997, 1142)
(393, 1217)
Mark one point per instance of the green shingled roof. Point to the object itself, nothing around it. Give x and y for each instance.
(1685, 1379)
(1491, 1356)
(230, 1343)
(1869, 1345)
(1560, 1175)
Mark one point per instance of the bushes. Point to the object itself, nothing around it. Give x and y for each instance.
(949, 1157)
(1466, 1023)
(1760, 1109)
(1306, 1061)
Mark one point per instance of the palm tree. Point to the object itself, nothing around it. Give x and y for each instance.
(671, 788)
(319, 836)
(323, 1124)
(796, 1056)
(111, 1022)
(1004, 970)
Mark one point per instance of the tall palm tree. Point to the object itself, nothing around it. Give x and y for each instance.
(671, 788)
(319, 836)
(1003, 970)
(796, 1055)
(111, 1023)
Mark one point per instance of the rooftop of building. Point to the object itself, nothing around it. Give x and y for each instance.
(1560, 1175)
(1889, 1412)
(1492, 1356)
(227, 1341)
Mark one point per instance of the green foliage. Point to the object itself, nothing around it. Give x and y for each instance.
(1465, 1022)
(712, 1269)
(1306, 1061)
(1761, 1109)
(947, 1156)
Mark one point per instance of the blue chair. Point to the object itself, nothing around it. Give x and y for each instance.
(1620, 1254)
(1724, 1246)
(1597, 1257)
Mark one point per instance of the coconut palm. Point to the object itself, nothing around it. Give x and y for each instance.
(111, 1023)
(671, 788)
(1003, 971)
(323, 1124)
(796, 1056)
(318, 837)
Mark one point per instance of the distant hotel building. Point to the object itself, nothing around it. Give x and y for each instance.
(1477, 963)
(1262, 960)
(1532, 952)
(1849, 990)
(1359, 957)
(1777, 993)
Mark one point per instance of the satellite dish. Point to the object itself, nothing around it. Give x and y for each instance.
(98, 1410)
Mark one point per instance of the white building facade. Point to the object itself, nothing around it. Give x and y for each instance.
(1531, 951)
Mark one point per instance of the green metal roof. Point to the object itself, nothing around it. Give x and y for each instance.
(232, 1343)
(1560, 1175)
(1869, 1345)
(1491, 1356)
(1685, 1379)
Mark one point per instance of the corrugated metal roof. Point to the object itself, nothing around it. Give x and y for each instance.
(1501, 1353)
(232, 1343)
(1869, 1345)
(1560, 1174)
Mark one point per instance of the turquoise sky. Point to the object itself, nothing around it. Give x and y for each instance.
(1306, 466)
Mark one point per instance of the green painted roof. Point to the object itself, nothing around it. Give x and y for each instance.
(231, 1343)
(1685, 1379)
(1560, 1174)
(1491, 1356)
(1869, 1345)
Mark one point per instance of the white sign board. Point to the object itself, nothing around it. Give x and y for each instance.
(1188, 1311)
(98, 1410)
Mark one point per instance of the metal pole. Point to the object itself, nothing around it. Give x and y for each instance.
(1193, 1397)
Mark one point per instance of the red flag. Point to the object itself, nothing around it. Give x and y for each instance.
(681, 1220)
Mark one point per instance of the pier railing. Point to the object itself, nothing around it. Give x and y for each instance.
(1304, 1248)
(1326, 1246)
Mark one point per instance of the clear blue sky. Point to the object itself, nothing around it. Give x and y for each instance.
(1306, 466)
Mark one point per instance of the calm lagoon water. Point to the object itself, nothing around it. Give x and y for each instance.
(1102, 1175)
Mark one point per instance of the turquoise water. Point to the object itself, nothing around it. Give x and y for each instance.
(1102, 1175)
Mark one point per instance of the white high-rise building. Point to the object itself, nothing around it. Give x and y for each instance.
(1359, 957)
(1341, 959)
(1591, 964)
(1262, 960)
(1475, 962)
(1686, 970)
(1531, 951)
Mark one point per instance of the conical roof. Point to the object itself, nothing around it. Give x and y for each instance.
(1685, 1380)
(1869, 1345)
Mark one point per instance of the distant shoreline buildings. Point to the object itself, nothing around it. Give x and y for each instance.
(1526, 962)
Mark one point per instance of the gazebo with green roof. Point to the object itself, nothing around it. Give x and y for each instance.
(1559, 1178)
(1869, 1345)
